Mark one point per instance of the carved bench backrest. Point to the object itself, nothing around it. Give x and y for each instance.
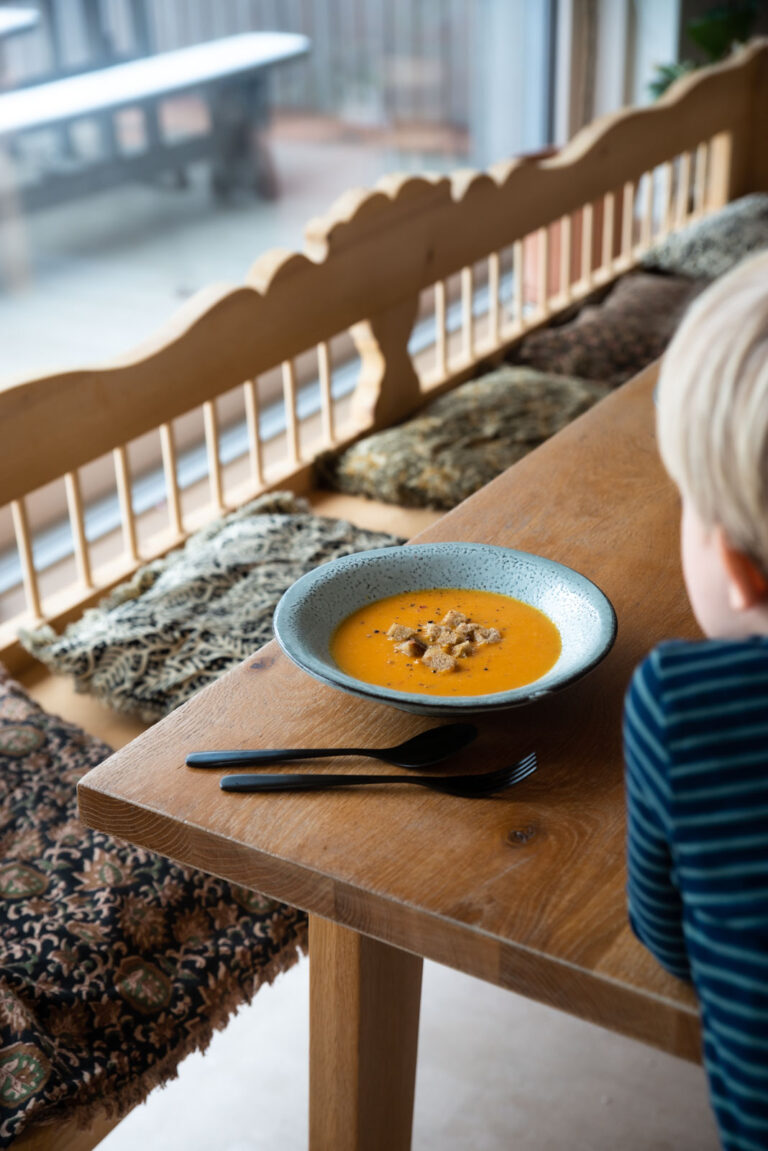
(483, 256)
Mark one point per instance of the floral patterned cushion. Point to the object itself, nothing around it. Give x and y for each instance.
(710, 247)
(613, 340)
(460, 441)
(184, 619)
(114, 962)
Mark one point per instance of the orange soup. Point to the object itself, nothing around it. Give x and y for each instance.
(447, 641)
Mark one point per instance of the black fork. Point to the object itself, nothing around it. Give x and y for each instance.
(470, 786)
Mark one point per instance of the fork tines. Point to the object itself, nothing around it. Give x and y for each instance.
(525, 767)
(507, 776)
(486, 783)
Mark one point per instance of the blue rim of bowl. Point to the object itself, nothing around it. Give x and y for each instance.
(528, 693)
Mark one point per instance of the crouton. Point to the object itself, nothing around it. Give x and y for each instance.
(485, 635)
(453, 619)
(411, 647)
(440, 645)
(438, 660)
(400, 632)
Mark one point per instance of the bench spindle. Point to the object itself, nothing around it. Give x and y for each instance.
(683, 189)
(77, 524)
(122, 475)
(566, 289)
(700, 180)
(587, 232)
(669, 203)
(519, 274)
(168, 449)
(211, 423)
(291, 422)
(609, 218)
(494, 285)
(441, 340)
(720, 166)
(26, 558)
(628, 223)
(543, 276)
(646, 224)
(251, 394)
(467, 313)
(326, 394)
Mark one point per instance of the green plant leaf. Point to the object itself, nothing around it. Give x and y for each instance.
(666, 74)
(723, 26)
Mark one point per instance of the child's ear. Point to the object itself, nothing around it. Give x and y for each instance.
(747, 586)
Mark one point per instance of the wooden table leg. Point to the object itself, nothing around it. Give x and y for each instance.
(363, 1034)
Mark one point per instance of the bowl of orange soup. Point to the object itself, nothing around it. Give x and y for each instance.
(440, 628)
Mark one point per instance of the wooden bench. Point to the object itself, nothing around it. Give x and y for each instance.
(416, 234)
(232, 73)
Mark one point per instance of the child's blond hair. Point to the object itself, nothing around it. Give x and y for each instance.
(712, 413)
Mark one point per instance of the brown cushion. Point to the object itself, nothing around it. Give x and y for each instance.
(615, 339)
(114, 962)
(460, 441)
(184, 619)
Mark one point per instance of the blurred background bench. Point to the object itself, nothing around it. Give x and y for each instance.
(232, 73)
(15, 20)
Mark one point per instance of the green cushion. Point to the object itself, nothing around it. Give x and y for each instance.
(461, 440)
(710, 247)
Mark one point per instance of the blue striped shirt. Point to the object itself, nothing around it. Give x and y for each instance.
(696, 751)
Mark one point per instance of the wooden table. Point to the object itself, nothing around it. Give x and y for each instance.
(525, 890)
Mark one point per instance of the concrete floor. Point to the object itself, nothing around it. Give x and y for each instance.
(86, 282)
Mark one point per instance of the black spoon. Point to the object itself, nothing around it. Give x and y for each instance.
(426, 748)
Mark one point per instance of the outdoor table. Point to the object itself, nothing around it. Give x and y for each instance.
(526, 890)
(16, 20)
(230, 72)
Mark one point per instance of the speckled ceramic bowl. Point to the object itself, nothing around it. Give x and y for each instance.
(310, 611)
